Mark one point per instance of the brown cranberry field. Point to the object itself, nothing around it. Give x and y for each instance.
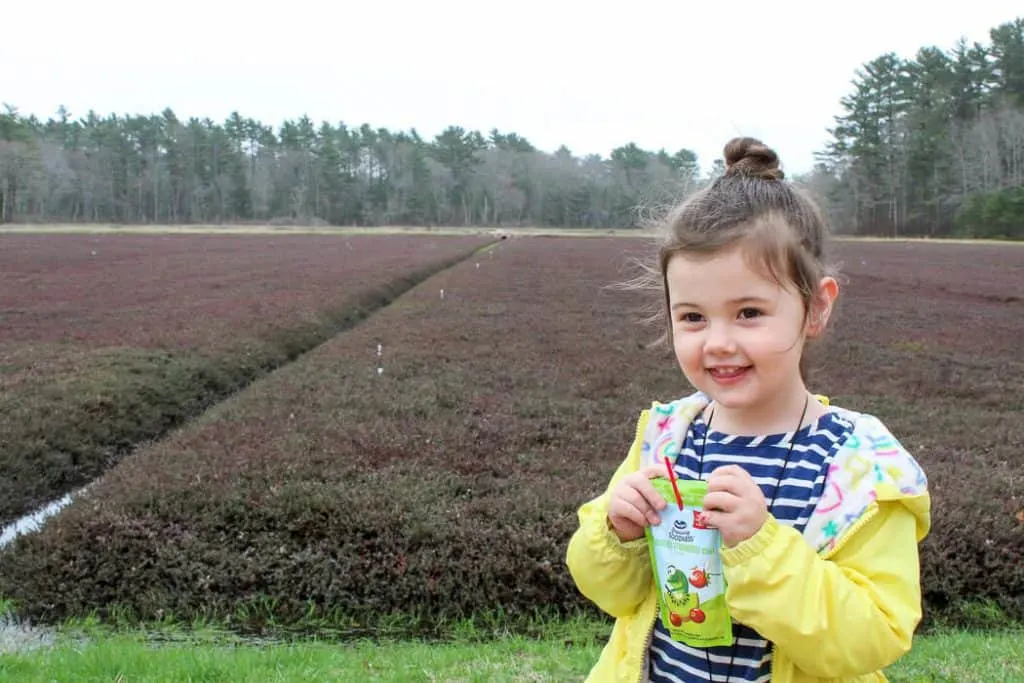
(109, 340)
(331, 494)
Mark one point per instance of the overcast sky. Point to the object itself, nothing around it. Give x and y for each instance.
(661, 74)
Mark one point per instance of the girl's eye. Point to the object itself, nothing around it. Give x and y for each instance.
(750, 313)
(691, 318)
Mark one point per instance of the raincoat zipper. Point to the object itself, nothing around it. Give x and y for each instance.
(864, 519)
(645, 662)
(641, 426)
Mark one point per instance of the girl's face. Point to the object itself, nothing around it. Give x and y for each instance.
(738, 335)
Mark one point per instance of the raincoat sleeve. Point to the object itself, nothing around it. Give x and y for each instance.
(615, 576)
(851, 614)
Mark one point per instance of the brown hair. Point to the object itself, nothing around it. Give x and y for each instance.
(780, 227)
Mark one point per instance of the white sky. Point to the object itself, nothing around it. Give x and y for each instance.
(662, 74)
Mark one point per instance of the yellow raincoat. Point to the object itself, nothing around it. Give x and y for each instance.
(840, 602)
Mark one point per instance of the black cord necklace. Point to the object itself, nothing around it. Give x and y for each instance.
(771, 509)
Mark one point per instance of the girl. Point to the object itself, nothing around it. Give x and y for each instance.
(820, 509)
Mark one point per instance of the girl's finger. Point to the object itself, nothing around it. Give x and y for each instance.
(721, 501)
(655, 471)
(731, 472)
(624, 510)
(650, 494)
(640, 514)
(726, 481)
(711, 519)
(727, 469)
(638, 500)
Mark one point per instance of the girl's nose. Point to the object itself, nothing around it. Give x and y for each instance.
(719, 339)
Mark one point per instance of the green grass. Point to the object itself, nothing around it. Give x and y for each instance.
(955, 656)
(566, 653)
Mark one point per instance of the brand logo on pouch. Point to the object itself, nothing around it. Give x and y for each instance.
(680, 532)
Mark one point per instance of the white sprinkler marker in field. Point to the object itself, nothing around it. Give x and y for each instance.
(442, 294)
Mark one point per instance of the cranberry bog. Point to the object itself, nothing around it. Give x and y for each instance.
(108, 341)
(426, 464)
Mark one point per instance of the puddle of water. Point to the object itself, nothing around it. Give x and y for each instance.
(16, 637)
(35, 520)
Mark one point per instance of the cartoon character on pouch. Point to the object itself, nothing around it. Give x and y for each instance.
(683, 605)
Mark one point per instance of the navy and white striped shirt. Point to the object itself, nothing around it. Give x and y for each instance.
(801, 486)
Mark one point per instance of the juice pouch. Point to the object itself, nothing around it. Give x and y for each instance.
(687, 568)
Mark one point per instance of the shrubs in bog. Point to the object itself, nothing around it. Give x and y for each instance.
(327, 494)
(92, 404)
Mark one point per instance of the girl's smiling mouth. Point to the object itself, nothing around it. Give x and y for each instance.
(729, 374)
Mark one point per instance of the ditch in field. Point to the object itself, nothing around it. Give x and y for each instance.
(53, 450)
(17, 635)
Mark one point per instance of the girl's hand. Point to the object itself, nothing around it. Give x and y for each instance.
(634, 504)
(735, 504)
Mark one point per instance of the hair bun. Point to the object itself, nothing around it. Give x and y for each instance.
(752, 158)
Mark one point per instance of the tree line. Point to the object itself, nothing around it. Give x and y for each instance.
(159, 169)
(931, 145)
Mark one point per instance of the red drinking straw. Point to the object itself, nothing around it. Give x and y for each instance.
(672, 479)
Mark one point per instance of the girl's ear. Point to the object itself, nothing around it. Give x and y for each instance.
(821, 306)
